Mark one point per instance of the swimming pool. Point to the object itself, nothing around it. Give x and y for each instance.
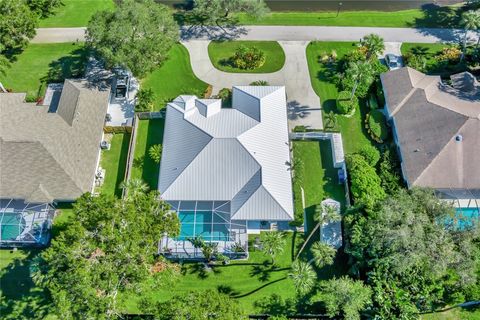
(211, 226)
(11, 226)
(467, 216)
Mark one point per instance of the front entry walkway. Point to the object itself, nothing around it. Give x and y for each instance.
(303, 103)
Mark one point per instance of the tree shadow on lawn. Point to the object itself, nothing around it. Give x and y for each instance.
(228, 290)
(200, 269)
(69, 66)
(259, 288)
(20, 298)
(122, 164)
(150, 168)
(263, 273)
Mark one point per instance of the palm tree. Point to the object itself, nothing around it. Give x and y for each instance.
(374, 44)
(273, 243)
(361, 72)
(470, 21)
(197, 243)
(134, 187)
(323, 214)
(303, 276)
(323, 254)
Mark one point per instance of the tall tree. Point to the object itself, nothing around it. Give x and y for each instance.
(470, 21)
(344, 297)
(323, 214)
(219, 12)
(323, 254)
(414, 252)
(361, 73)
(107, 249)
(43, 8)
(137, 35)
(196, 305)
(374, 45)
(273, 244)
(303, 276)
(4, 63)
(17, 24)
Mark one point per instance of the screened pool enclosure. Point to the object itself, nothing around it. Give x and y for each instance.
(209, 221)
(24, 224)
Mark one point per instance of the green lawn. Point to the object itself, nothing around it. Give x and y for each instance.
(353, 131)
(441, 17)
(39, 64)
(75, 13)
(149, 132)
(430, 50)
(173, 78)
(318, 177)
(221, 51)
(454, 314)
(247, 281)
(114, 161)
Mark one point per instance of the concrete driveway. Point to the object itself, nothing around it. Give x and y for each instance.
(303, 104)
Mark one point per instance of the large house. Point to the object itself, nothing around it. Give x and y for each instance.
(226, 171)
(47, 156)
(437, 130)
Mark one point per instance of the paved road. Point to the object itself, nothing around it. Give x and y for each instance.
(283, 33)
(304, 104)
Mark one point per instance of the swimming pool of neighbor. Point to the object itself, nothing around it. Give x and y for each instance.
(11, 225)
(467, 216)
(211, 226)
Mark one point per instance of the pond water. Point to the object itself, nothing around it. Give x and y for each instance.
(347, 5)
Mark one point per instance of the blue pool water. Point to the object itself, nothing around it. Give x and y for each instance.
(467, 216)
(202, 223)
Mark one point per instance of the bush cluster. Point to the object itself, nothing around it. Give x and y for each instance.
(345, 102)
(248, 58)
(375, 125)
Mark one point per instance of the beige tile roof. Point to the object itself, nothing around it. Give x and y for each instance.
(46, 156)
(429, 117)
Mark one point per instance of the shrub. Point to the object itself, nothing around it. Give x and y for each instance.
(155, 152)
(226, 95)
(248, 58)
(365, 183)
(416, 61)
(372, 102)
(330, 121)
(389, 172)
(371, 154)
(145, 98)
(376, 126)
(450, 55)
(345, 102)
(208, 92)
(259, 83)
(300, 129)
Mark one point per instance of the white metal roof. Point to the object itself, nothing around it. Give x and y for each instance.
(239, 154)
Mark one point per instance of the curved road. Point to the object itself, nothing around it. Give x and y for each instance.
(304, 104)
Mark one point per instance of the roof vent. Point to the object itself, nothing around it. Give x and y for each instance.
(459, 138)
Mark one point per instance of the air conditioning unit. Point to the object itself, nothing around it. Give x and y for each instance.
(104, 145)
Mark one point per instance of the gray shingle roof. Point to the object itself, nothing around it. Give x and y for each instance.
(428, 117)
(46, 156)
(239, 154)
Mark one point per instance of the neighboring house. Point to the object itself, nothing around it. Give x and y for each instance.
(47, 156)
(226, 171)
(437, 130)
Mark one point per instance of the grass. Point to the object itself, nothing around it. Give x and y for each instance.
(247, 281)
(430, 51)
(353, 132)
(432, 16)
(173, 78)
(221, 51)
(454, 314)
(149, 132)
(114, 161)
(39, 64)
(317, 176)
(75, 13)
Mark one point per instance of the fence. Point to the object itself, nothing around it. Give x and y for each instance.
(131, 151)
(149, 115)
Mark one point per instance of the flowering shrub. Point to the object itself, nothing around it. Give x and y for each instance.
(450, 54)
(248, 58)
